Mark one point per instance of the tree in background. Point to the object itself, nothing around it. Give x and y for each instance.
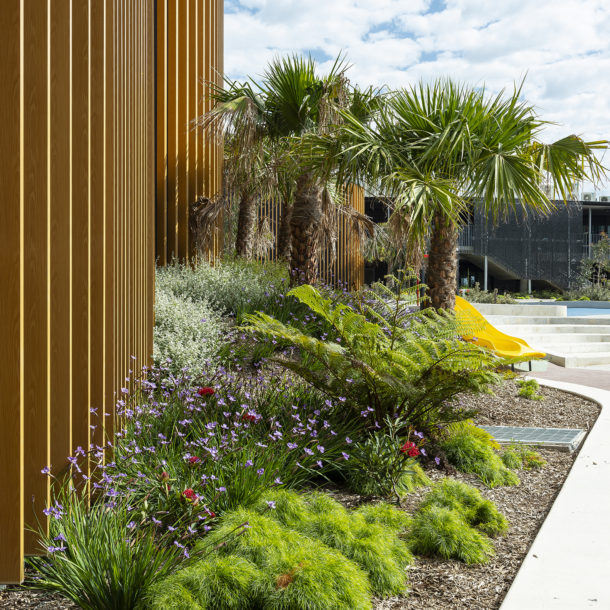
(290, 100)
(432, 149)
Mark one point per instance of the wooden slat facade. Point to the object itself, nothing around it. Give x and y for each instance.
(77, 183)
(189, 55)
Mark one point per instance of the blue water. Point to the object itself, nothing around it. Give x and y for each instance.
(588, 311)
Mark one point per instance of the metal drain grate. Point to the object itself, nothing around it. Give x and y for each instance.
(567, 439)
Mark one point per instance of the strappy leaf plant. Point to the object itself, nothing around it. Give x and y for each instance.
(382, 360)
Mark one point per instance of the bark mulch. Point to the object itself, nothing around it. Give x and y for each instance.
(440, 584)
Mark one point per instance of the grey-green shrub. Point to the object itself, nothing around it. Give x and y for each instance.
(372, 545)
(470, 454)
(187, 332)
(230, 287)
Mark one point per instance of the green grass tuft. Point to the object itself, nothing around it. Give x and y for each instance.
(374, 546)
(227, 583)
(521, 456)
(387, 515)
(470, 454)
(468, 502)
(298, 572)
(441, 531)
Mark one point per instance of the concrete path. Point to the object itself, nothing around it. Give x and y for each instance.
(595, 378)
(568, 564)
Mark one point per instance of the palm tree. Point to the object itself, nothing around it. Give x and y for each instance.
(434, 149)
(291, 100)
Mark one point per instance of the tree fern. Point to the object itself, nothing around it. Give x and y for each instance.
(383, 358)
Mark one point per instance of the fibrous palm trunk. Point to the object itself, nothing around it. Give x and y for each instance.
(304, 229)
(441, 275)
(245, 225)
(284, 241)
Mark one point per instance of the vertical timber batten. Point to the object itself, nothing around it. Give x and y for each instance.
(189, 54)
(77, 237)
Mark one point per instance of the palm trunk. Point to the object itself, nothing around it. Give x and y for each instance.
(442, 263)
(304, 229)
(284, 241)
(245, 226)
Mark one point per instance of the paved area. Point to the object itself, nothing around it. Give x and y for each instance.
(566, 567)
(592, 377)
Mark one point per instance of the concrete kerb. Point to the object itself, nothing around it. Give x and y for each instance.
(567, 565)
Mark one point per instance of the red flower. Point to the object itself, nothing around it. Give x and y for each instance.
(249, 417)
(190, 495)
(206, 391)
(211, 514)
(193, 459)
(164, 476)
(410, 449)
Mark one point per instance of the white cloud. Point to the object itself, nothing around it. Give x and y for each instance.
(562, 45)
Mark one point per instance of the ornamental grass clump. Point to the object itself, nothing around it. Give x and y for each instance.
(227, 583)
(299, 572)
(469, 451)
(376, 548)
(520, 456)
(387, 515)
(468, 501)
(103, 556)
(454, 521)
(443, 532)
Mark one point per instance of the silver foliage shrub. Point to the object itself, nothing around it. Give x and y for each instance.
(187, 332)
(231, 287)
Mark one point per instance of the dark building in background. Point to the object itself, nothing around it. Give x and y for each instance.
(522, 252)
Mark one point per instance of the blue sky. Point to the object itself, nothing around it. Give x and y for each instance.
(562, 47)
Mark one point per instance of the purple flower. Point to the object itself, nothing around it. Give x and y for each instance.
(291, 445)
(308, 451)
(348, 440)
(345, 455)
(248, 463)
(46, 470)
(271, 504)
(60, 537)
(260, 472)
(437, 460)
(277, 481)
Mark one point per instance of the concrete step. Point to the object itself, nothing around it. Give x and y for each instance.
(528, 320)
(519, 330)
(559, 338)
(579, 360)
(578, 348)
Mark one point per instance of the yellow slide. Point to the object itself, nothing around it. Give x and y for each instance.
(490, 337)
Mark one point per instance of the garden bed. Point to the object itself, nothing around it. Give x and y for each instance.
(442, 584)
